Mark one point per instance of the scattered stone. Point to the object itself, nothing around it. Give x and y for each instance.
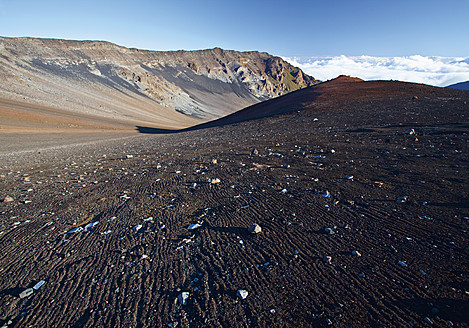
(183, 297)
(410, 132)
(349, 177)
(402, 199)
(214, 161)
(144, 256)
(327, 259)
(38, 285)
(356, 253)
(242, 294)
(402, 263)
(214, 181)
(329, 231)
(90, 225)
(137, 227)
(255, 152)
(26, 292)
(193, 226)
(8, 199)
(428, 321)
(326, 194)
(254, 228)
(74, 230)
(129, 156)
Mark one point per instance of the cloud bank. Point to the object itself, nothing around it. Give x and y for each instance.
(437, 71)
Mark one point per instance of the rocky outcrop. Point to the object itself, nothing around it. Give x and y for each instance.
(105, 79)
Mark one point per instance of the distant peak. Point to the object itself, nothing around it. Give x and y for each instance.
(347, 78)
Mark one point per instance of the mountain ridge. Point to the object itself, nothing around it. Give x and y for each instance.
(105, 79)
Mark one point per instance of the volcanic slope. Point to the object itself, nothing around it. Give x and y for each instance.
(460, 85)
(78, 80)
(383, 165)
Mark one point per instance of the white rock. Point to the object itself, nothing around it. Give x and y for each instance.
(410, 132)
(90, 225)
(254, 228)
(77, 229)
(38, 285)
(242, 294)
(402, 263)
(183, 297)
(356, 253)
(428, 321)
(327, 259)
(193, 226)
(8, 199)
(26, 292)
(137, 227)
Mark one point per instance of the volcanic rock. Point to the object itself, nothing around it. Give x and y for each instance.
(254, 228)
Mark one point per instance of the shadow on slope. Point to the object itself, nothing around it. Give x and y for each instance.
(336, 94)
(149, 130)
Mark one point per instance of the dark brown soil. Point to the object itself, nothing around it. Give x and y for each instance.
(100, 278)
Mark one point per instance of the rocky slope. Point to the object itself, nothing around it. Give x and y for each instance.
(169, 89)
(363, 223)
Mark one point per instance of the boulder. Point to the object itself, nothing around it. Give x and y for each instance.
(254, 228)
(183, 297)
(242, 294)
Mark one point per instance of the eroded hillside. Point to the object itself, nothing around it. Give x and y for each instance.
(169, 89)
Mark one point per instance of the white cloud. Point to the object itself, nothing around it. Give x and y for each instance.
(438, 71)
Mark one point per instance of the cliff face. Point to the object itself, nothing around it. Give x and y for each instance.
(101, 78)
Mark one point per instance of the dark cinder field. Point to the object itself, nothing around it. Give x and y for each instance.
(397, 198)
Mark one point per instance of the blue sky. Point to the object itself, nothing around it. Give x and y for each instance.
(284, 28)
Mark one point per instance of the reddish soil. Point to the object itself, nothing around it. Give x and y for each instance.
(115, 276)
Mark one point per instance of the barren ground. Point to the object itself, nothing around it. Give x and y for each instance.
(115, 276)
